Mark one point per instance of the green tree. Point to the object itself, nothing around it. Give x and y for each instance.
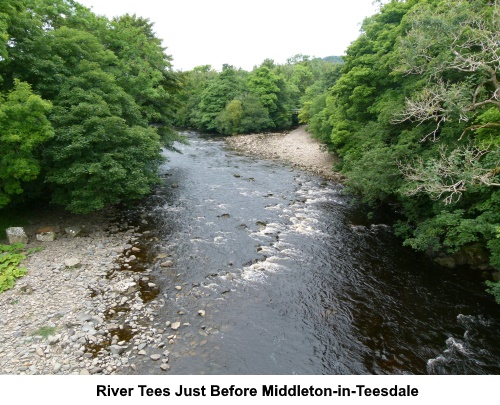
(109, 82)
(101, 154)
(219, 91)
(24, 126)
(144, 71)
(263, 83)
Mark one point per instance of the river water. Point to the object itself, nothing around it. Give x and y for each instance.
(294, 279)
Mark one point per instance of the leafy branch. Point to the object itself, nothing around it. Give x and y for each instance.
(451, 174)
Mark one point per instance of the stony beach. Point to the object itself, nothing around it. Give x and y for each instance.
(297, 148)
(81, 309)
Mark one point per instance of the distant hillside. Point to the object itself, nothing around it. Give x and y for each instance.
(333, 59)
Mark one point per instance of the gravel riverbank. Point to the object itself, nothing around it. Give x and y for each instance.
(297, 148)
(82, 307)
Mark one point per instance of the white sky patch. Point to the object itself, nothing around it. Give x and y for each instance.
(244, 33)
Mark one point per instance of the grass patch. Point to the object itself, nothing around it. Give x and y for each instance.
(45, 331)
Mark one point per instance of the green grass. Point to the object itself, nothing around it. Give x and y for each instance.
(45, 331)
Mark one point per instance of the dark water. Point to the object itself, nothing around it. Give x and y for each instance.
(294, 280)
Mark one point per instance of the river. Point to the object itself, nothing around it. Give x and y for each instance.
(293, 278)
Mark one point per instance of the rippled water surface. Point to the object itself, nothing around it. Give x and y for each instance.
(294, 280)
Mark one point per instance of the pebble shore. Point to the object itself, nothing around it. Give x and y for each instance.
(80, 309)
(297, 148)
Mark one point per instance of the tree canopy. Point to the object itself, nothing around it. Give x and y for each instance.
(415, 118)
(86, 104)
(235, 101)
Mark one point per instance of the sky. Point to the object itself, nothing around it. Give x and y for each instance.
(243, 33)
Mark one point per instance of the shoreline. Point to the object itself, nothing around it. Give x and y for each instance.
(93, 315)
(296, 148)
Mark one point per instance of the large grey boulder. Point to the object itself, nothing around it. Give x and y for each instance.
(16, 235)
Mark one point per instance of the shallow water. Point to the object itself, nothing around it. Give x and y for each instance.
(294, 280)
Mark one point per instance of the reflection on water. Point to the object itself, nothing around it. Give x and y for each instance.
(290, 278)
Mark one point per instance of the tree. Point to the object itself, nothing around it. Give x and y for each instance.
(229, 120)
(102, 153)
(109, 82)
(24, 127)
(456, 48)
(144, 71)
(219, 91)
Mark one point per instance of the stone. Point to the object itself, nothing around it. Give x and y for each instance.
(72, 263)
(178, 287)
(201, 312)
(116, 349)
(175, 325)
(82, 317)
(124, 285)
(52, 340)
(155, 357)
(16, 235)
(46, 237)
(168, 263)
(165, 367)
(73, 231)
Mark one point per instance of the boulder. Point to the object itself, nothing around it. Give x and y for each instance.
(16, 235)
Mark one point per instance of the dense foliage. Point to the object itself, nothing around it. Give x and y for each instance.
(415, 118)
(86, 104)
(235, 101)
